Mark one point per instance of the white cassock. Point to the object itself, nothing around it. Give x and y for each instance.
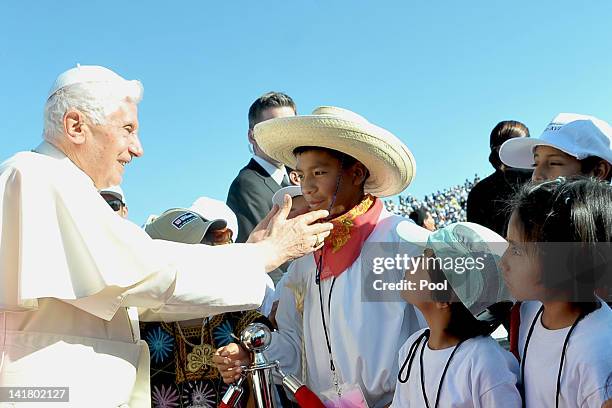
(72, 274)
(365, 336)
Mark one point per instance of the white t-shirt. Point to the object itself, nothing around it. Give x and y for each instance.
(364, 335)
(481, 374)
(587, 365)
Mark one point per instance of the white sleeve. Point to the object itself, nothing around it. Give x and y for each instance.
(269, 297)
(504, 395)
(286, 345)
(59, 239)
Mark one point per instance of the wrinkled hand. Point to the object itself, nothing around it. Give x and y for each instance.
(228, 360)
(285, 240)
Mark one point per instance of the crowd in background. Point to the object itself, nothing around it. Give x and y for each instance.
(446, 207)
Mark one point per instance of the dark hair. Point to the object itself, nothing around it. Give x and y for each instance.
(266, 101)
(419, 215)
(505, 130)
(346, 160)
(557, 215)
(463, 324)
(589, 164)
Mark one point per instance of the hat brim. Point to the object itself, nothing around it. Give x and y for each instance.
(213, 225)
(518, 152)
(409, 231)
(279, 196)
(391, 165)
(112, 193)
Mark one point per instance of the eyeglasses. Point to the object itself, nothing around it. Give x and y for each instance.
(115, 204)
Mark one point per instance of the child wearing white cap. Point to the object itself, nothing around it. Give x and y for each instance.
(559, 251)
(571, 144)
(455, 362)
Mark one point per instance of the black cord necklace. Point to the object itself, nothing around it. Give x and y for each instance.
(563, 352)
(319, 269)
(409, 359)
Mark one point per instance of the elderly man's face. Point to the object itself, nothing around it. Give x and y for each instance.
(111, 146)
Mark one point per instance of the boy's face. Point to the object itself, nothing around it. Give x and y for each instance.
(318, 172)
(550, 163)
(519, 265)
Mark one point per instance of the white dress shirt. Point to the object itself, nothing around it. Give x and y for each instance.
(276, 173)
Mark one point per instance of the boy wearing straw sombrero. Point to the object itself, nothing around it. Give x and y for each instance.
(326, 331)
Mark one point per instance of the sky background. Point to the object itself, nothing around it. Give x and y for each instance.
(439, 75)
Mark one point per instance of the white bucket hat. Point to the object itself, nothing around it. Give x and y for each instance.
(578, 135)
(390, 163)
(477, 287)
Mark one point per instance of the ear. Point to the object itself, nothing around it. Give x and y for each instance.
(74, 124)
(294, 178)
(251, 137)
(442, 305)
(602, 170)
(359, 174)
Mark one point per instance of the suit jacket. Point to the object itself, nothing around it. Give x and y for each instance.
(487, 201)
(250, 197)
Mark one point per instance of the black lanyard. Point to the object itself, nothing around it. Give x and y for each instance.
(331, 289)
(409, 359)
(563, 351)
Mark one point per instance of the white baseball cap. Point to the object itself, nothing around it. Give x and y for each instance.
(94, 74)
(279, 196)
(580, 136)
(115, 191)
(211, 209)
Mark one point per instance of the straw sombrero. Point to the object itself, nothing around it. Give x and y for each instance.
(391, 165)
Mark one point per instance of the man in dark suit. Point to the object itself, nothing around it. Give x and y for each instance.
(250, 194)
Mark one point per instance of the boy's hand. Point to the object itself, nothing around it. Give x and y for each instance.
(228, 360)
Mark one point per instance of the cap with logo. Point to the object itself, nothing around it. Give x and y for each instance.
(580, 136)
(182, 225)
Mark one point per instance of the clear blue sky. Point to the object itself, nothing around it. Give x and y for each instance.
(439, 75)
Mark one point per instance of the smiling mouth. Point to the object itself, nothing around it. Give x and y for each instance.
(314, 204)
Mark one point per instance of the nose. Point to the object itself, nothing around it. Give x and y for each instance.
(135, 146)
(538, 174)
(307, 185)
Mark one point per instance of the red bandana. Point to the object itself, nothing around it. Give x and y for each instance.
(343, 246)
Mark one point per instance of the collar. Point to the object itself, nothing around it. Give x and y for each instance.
(274, 172)
(47, 149)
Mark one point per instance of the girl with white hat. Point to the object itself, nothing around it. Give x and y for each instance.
(572, 144)
(559, 251)
(455, 362)
(325, 327)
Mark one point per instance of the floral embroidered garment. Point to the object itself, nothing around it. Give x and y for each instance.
(183, 376)
(351, 229)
